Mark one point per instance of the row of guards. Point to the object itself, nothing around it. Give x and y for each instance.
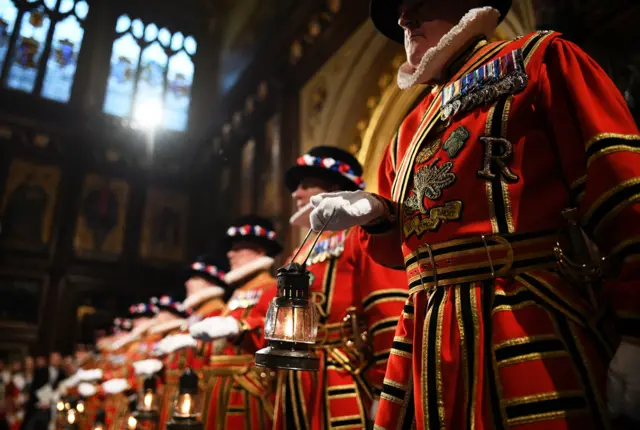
(244, 349)
(469, 292)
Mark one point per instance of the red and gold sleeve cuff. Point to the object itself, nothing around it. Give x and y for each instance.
(384, 223)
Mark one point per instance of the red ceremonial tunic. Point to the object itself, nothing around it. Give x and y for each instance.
(113, 365)
(196, 359)
(494, 337)
(91, 404)
(241, 394)
(344, 279)
(116, 406)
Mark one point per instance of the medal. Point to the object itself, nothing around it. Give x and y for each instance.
(501, 76)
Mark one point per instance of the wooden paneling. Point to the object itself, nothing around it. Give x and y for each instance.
(82, 180)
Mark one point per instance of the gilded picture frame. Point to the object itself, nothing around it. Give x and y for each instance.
(101, 221)
(164, 226)
(28, 205)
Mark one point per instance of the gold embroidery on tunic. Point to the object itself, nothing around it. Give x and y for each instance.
(531, 357)
(610, 150)
(463, 344)
(553, 395)
(456, 140)
(428, 152)
(475, 316)
(602, 136)
(514, 307)
(606, 196)
(429, 182)
(544, 417)
(450, 211)
(441, 411)
(524, 340)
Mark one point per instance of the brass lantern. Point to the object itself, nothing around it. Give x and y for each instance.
(71, 423)
(80, 406)
(148, 408)
(187, 406)
(61, 413)
(291, 324)
(99, 423)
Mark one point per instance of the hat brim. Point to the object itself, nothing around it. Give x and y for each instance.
(142, 315)
(174, 311)
(296, 174)
(386, 13)
(190, 273)
(271, 247)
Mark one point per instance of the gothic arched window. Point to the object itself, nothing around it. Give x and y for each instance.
(39, 45)
(150, 65)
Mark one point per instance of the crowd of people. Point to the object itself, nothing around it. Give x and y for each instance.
(468, 292)
(23, 381)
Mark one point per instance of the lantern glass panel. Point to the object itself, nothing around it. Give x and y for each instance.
(187, 405)
(148, 401)
(291, 323)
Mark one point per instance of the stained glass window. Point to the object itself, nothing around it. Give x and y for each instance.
(28, 50)
(150, 65)
(8, 15)
(35, 28)
(67, 39)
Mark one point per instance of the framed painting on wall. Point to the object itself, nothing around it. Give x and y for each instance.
(28, 205)
(164, 225)
(100, 226)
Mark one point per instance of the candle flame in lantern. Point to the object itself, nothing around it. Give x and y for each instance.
(185, 406)
(148, 400)
(132, 422)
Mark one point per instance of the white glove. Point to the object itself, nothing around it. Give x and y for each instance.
(87, 390)
(89, 375)
(115, 386)
(71, 381)
(374, 410)
(215, 328)
(147, 367)
(175, 342)
(45, 395)
(19, 382)
(349, 208)
(623, 388)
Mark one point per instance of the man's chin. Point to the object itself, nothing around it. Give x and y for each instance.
(415, 57)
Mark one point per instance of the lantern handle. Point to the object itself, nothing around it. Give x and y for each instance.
(314, 241)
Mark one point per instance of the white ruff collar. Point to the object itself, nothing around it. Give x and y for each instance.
(134, 335)
(167, 326)
(301, 217)
(202, 295)
(124, 341)
(257, 265)
(477, 22)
